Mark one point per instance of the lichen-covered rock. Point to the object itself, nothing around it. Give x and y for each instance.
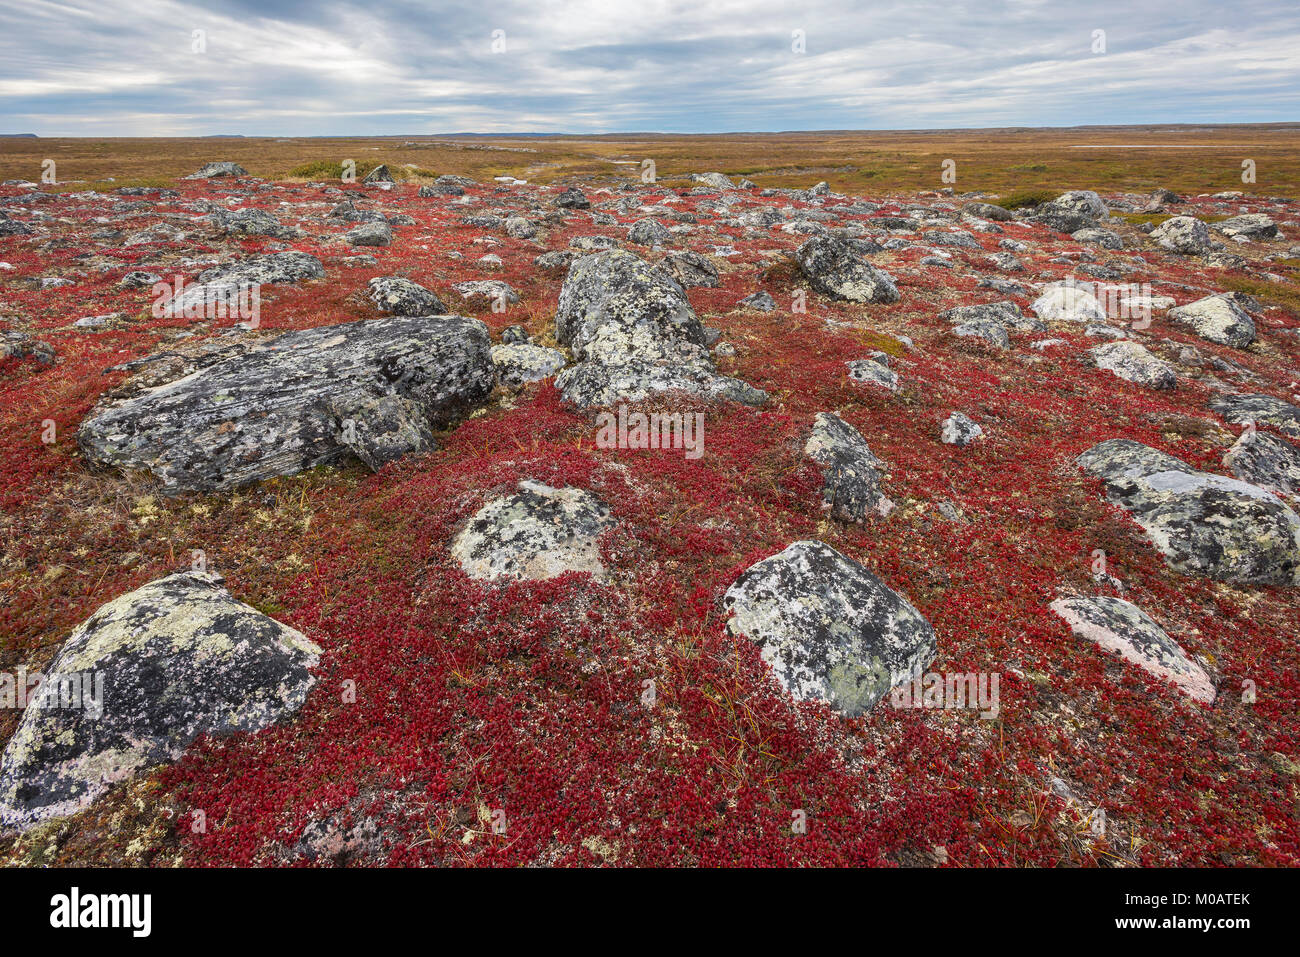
(522, 362)
(1068, 302)
(19, 345)
(873, 372)
(370, 234)
(1260, 409)
(716, 180)
(998, 214)
(1098, 237)
(178, 657)
(850, 471)
(992, 333)
(215, 170)
(302, 399)
(489, 290)
(517, 227)
(1120, 626)
(399, 296)
(250, 222)
(1266, 461)
(759, 301)
(1217, 319)
(1134, 363)
(1203, 524)
(834, 267)
(538, 532)
(830, 630)
(649, 232)
(959, 429)
(1248, 226)
(1005, 313)
(224, 283)
(1183, 234)
(379, 174)
(572, 198)
(634, 333)
(690, 269)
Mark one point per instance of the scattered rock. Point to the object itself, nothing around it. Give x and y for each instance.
(402, 297)
(177, 658)
(1217, 320)
(958, 429)
(833, 267)
(830, 630)
(850, 472)
(215, 170)
(539, 532)
(1134, 363)
(1120, 626)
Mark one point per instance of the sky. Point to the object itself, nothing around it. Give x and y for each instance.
(397, 67)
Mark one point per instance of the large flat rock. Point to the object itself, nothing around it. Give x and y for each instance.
(375, 389)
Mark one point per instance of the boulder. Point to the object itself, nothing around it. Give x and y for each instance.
(1134, 363)
(370, 234)
(1248, 226)
(1120, 626)
(523, 362)
(178, 657)
(539, 532)
(634, 333)
(1260, 409)
(690, 269)
(215, 170)
(830, 630)
(225, 283)
(1203, 524)
(1266, 461)
(1216, 319)
(649, 232)
(379, 174)
(833, 267)
(375, 389)
(1068, 302)
(1183, 234)
(959, 429)
(850, 472)
(399, 296)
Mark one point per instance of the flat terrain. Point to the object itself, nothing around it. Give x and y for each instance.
(472, 698)
(1196, 159)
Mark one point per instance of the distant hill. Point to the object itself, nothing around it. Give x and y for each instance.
(15, 136)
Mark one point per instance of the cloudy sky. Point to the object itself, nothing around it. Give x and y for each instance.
(322, 67)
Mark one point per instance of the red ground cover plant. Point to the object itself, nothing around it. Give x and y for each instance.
(522, 703)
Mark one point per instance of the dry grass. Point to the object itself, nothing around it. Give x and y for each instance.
(1019, 165)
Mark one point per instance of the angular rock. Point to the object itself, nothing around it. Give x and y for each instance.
(523, 362)
(690, 269)
(649, 232)
(634, 333)
(572, 198)
(1203, 524)
(850, 471)
(225, 283)
(1120, 626)
(1005, 313)
(302, 399)
(872, 372)
(1266, 461)
(1260, 409)
(759, 301)
(379, 174)
(178, 657)
(958, 429)
(1134, 363)
(539, 532)
(1068, 302)
(1217, 320)
(833, 267)
(1183, 234)
(829, 629)
(370, 234)
(1248, 226)
(215, 170)
(399, 296)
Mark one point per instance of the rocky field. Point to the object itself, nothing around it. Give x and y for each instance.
(457, 521)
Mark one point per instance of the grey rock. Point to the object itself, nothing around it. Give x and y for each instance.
(1203, 524)
(517, 227)
(379, 174)
(1098, 237)
(370, 234)
(872, 372)
(988, 211)
(830, 630)
(634, 333)
(215, 170)
(572, 198)
(491, 290)
(690, 269)
(250, 222)
(399, 296)
(759, 301)
(1266, 461)
(649, 232)
(1134, 363)
(958, 429)
(1121, 627)
(537, 533)
(523, 362)
(1248, 226)
(1260, 409)
(833, 267)
(178, 657)
(221, 283)
(1068, 302)
(851, 473)
(302, 399)
(1186, 235)
(1216, 320)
